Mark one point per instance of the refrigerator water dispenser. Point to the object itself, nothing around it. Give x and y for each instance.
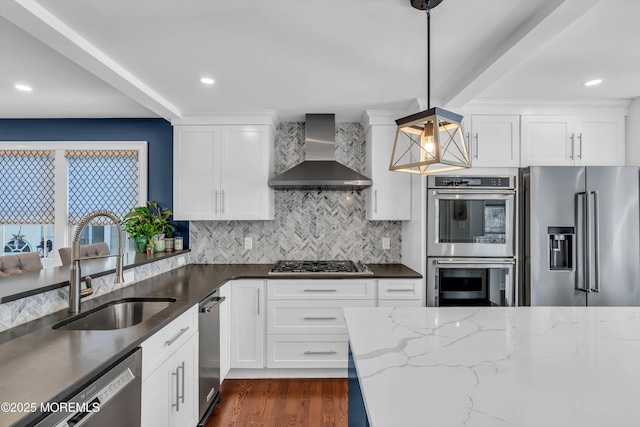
(561, 248)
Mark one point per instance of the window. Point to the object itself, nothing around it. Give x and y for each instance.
(48, 187)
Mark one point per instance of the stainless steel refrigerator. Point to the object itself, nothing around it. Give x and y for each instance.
(579, 235)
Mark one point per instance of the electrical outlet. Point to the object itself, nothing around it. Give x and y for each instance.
(181, 261)
(248, 243)
(129, 277)
(386, 243)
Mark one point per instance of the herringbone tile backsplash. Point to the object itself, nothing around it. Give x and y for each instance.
(308, 224)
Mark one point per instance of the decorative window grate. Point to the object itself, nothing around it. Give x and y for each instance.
(27, 186)
(101, 179)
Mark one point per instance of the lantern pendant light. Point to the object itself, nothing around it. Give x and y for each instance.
(432, 140)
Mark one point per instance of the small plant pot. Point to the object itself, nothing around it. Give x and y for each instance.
(140, 244)
(159, 245)
(169, 244)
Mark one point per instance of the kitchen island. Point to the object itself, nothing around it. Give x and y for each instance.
(516, 367)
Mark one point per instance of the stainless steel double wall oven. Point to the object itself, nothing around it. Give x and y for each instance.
(471, 240)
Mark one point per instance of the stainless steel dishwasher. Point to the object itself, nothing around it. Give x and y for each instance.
(209, 355)
(113, 399)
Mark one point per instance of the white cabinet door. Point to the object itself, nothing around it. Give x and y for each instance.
(170, 394)
(389, 198)
(225, 332)
(221, 172)
(183, 375)
(494, 141)
(247, 323)
(547, 140)
(246, 163)
(196, 180)
(573, 140)
(155, 399)
(600, 142)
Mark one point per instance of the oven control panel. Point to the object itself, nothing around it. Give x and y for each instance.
(471, 181)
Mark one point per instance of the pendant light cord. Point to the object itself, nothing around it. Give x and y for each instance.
(428, 55)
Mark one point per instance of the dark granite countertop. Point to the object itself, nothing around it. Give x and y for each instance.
(39, 364)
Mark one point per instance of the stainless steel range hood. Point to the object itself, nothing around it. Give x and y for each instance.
(320, 170)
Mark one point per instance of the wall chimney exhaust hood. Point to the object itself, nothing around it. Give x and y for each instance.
(320, 170)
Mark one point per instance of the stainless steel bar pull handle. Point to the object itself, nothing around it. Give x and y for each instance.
(587, 243)
(476, 138)
(178, 335)
(258, 300)
(399, 290)
(216, 201)
(222, 202)
(580, 145)
(320, 290)
(480, 192)
(579, 254)
(572, 137)
(215, 301)
(182, 381)
(177, 375)
(596, 240)
(321, 318)
(474, 261)
(321, 352)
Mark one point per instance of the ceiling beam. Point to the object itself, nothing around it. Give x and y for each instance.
(44, 26)
(551, 19)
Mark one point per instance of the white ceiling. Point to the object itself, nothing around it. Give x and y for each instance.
(142, 58)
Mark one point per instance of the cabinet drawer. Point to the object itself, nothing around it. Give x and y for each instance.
(310, 317)
(400, 289)
(300, 351)
(157, 348)
(320, 289)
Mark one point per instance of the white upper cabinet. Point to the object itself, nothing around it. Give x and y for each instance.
(494, 141)
(572, 140)
(600, 142)
(221, 172)
(389, 198)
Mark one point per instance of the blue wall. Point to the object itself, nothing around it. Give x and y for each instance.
(158, 133)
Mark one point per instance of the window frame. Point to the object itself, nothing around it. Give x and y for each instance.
(62, 231)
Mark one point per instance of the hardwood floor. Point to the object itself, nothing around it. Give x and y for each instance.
(304, 402)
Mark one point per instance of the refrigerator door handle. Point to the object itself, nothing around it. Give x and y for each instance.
(596, 240)
(585, 243)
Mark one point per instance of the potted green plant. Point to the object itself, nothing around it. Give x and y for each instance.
(148, 225)
(140, 225)
(162, 225)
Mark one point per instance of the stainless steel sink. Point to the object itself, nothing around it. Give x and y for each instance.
(117, 314)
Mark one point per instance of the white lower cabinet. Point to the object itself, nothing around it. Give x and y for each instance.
(400, 293)
(307, 351)
(247, 323)
(305, 321)
(170, 374)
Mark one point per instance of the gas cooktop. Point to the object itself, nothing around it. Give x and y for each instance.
(335, 268)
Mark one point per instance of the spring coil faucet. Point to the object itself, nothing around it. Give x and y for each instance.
(74, 281)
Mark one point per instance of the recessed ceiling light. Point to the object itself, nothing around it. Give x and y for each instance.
(23, 88)
(592, 82)
(206, 80)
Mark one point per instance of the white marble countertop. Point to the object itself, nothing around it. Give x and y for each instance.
(515, 367)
